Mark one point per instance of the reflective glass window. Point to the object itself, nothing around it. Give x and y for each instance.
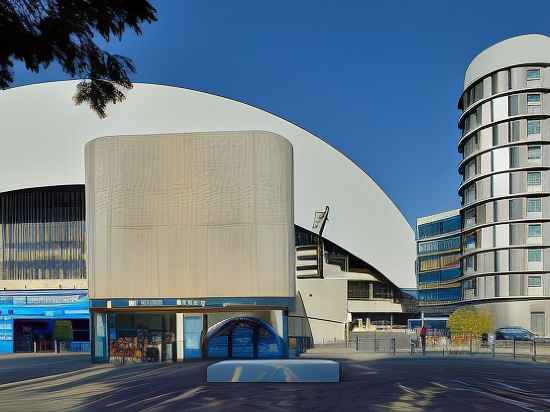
(534, 281)
(534, 205)
(534, 152)
(534, 230)
(533, 99)
(533, 178)
(513, 105)
(534, 255)
(533, 126)
(533, 74)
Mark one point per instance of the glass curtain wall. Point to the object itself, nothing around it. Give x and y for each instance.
(42, 233)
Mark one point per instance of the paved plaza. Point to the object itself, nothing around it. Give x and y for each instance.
(370, 382)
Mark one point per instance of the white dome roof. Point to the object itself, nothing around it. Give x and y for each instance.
(44, 133)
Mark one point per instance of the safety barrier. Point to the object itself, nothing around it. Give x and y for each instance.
(457, 345)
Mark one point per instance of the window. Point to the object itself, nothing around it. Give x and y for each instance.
(381, 291)
(533, 179)
(533, 127)
(514, 209)
(448, 261)
(494, 83)
(534, 205)
(470, 194)
(436, 228)
(534, 153)
(470, 169)
(534, 255)
(470, 262)
(439, 245)
(358, 289)
(514, 157)
(470, 284)
(533, 74)
(495, 135)
(514, 131)
(534, 230)
(533, 99)
(513, 105)
(470, 217)
(534, 281)
(428, 263)
(450, 225)
(470, 241)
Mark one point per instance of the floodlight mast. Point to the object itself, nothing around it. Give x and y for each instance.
(319, 222)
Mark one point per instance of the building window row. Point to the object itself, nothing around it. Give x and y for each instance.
(435, 246)
(505, 285)
(440, 227)
(505, 260)
(501, 81)
(431, 263)
(501, 108)
(502, 159)
(437, 276)
(368, 290)
(504, 184)
(502, 134)
(502, 210)
(439, 295)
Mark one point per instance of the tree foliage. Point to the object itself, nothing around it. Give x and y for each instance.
(470, 321)
(63, 330)
(40, 32)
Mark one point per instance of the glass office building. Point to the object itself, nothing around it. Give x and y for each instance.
(438, 262)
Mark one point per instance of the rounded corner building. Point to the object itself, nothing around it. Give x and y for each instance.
(189, 232)
(505, 191)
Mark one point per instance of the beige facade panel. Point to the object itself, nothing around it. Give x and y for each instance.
(190, 215)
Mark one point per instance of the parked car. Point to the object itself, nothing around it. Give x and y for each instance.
(514, 333)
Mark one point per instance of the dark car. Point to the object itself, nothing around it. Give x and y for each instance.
(514, 333)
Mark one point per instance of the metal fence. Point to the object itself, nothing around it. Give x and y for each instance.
(448, 346)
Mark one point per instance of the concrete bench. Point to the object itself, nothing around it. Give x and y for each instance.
(274, 370)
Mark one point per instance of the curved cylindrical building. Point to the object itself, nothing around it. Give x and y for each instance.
(505, 191)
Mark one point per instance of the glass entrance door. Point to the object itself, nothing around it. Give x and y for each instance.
(538, 323)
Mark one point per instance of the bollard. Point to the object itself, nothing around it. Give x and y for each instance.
(357, 343)
(493, 348)
(534, 350)
(393, 343)
(34, 345)
(471, 342)
(514, 344)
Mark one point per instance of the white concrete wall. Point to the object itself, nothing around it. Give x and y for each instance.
(324, 306)
(190, 215)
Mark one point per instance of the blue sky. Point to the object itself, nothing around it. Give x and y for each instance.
(379, 81)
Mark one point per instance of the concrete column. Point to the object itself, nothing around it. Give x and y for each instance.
(180, 353)
(285, 332)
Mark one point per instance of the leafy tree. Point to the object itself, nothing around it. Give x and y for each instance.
(63, 330)
(469, 320)
(40, 32)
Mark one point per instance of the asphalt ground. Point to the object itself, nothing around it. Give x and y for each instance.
(370, 383)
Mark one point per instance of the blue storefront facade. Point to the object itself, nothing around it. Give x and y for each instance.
(172, 329)
(28, 319)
